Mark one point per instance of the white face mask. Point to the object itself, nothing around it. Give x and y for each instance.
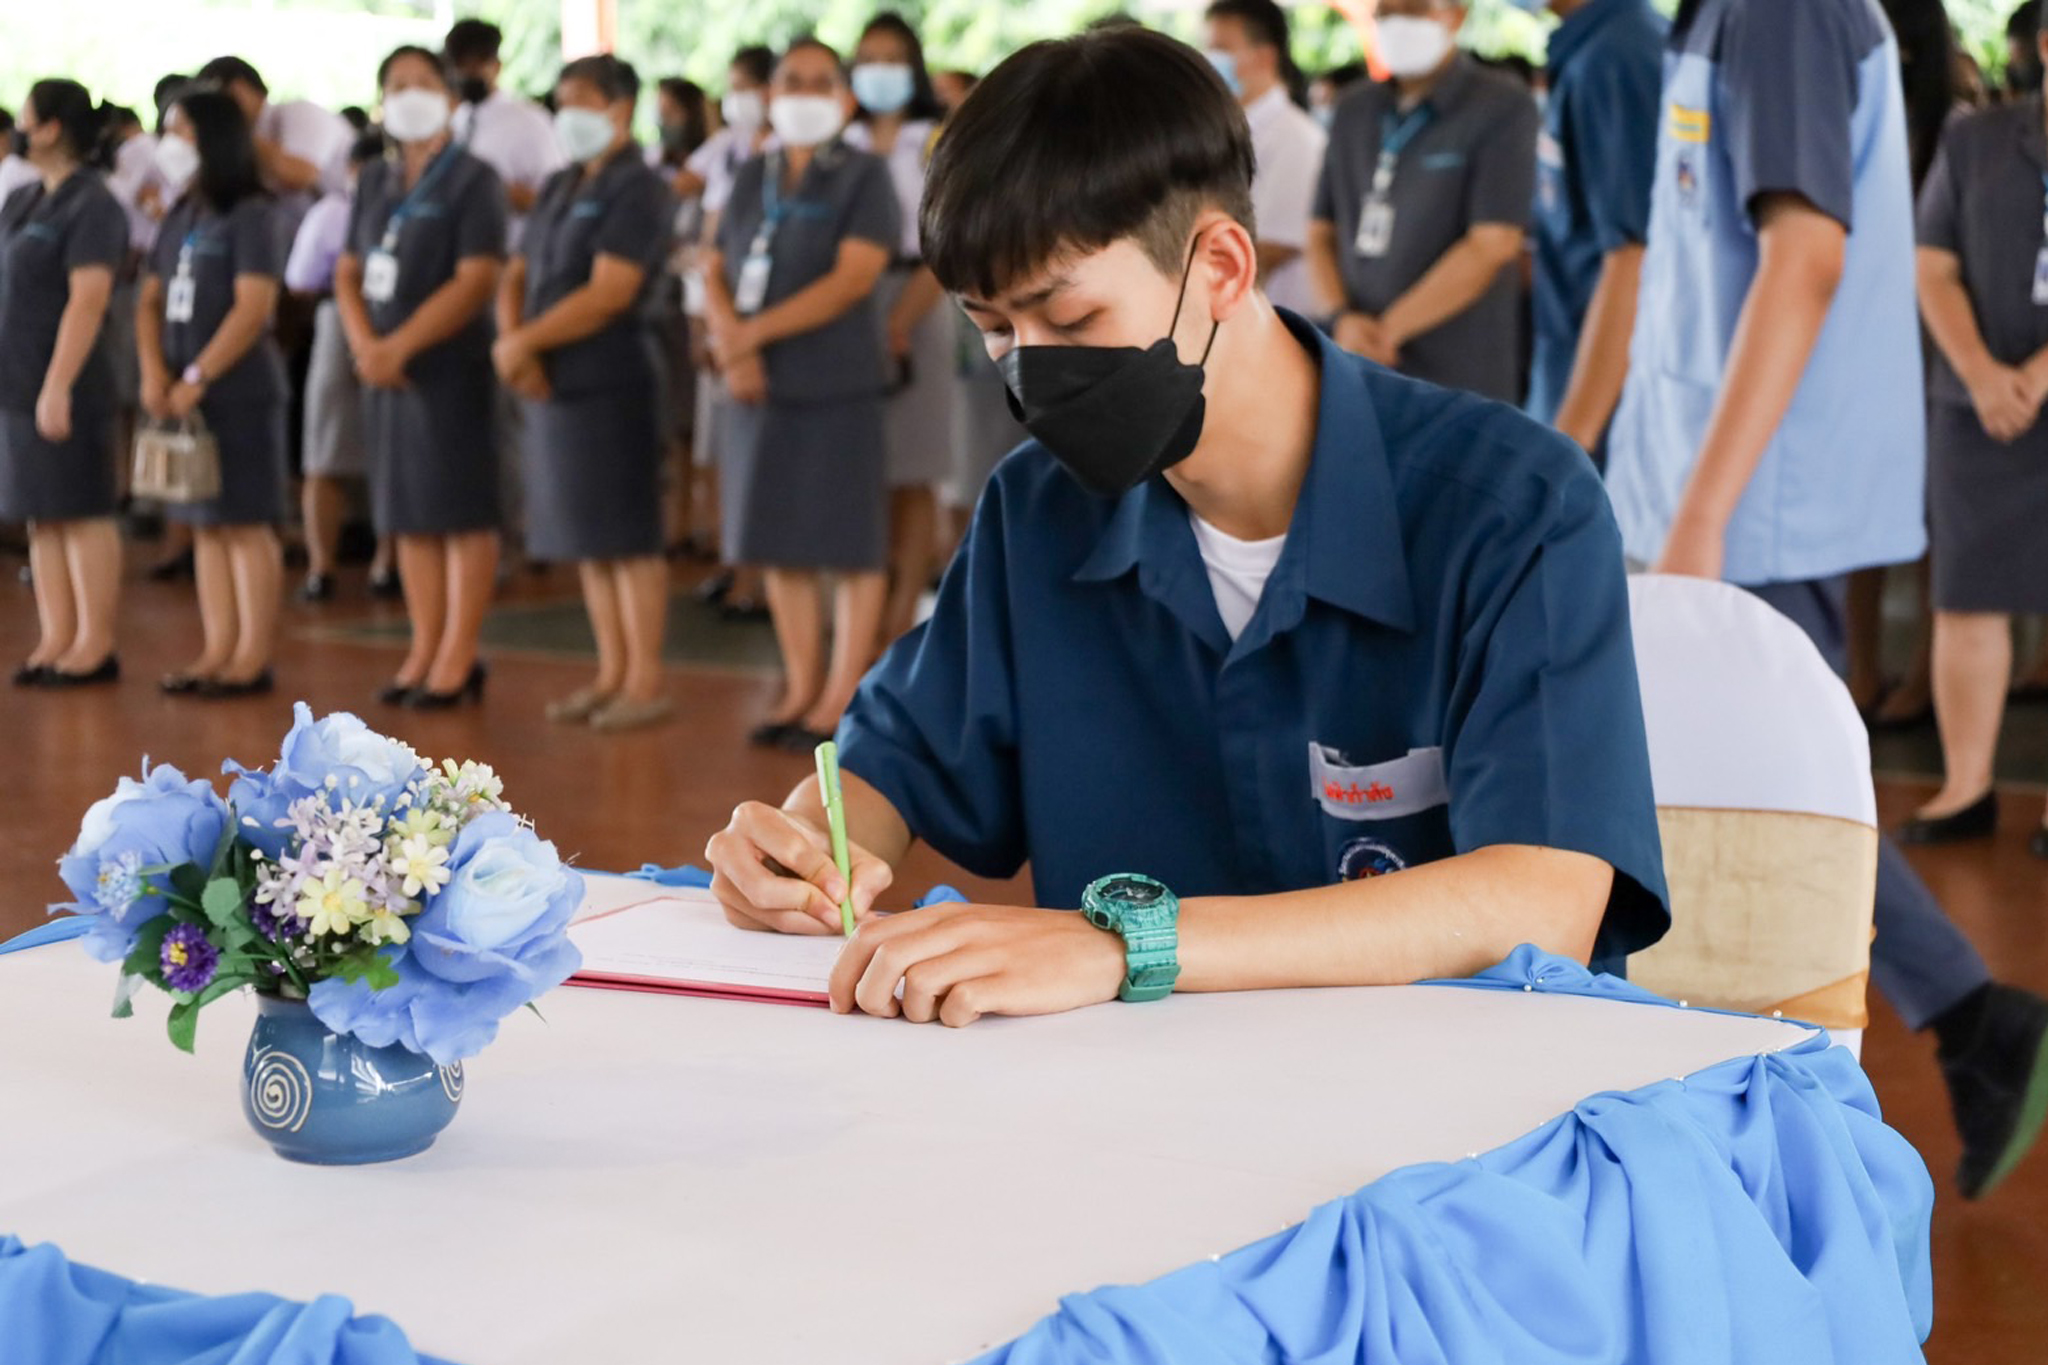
(583, 133)
(415, 115)
(742, 109)
(1413, 47)
(177, 161)
(806, 120)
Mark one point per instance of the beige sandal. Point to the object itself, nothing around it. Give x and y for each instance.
(578, 706)
(632, 715)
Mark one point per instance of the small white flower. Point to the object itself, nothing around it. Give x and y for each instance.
(422, 863)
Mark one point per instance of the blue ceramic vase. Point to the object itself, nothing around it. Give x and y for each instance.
(326, 1098)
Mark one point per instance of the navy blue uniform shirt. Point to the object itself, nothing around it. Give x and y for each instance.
(1440, 662)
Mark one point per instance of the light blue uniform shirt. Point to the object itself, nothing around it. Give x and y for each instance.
(1762, 97)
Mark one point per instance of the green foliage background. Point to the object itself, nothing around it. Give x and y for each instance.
(327, 50)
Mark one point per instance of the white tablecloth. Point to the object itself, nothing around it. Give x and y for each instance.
(650, 1178)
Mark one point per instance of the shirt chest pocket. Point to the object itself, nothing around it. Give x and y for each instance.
(1380, 817)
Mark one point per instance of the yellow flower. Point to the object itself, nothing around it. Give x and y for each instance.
(423, 864)
(334, 904)
(385, 927)
(422, 823)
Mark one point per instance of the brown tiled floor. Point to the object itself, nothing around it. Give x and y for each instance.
(615, 802)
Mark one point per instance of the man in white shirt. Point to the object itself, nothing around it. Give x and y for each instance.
(1247, 41)
(512, 135)
(301, 148)
(15, 170)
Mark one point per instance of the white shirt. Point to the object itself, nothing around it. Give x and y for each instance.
(1288, 143)
(135, 171)
(321, 238)
(514, 137)
(719, 161)
(15, 171)
(1238, 570)
(313, 134)
(906, 161)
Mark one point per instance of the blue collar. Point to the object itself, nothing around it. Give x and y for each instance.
(1344, 544)
(1572, 35)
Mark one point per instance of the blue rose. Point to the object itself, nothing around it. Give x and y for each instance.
(492, 940)
(163, 820)
(364, 765)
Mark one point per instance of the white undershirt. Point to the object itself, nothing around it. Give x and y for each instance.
(1238, 570)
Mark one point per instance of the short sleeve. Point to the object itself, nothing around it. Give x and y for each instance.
(746, 181)
(1938, 219)
(1788, 76)
(1610, 124)
(259, 244)
(637, 222)
(1548, 747)
(1501, 184)
(934, 726)
(99, 234)
(481, 217)
(355, 241)
(872, 213)
(1285, 187)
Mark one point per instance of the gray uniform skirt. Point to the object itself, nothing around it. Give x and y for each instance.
(433, 450)
(918, 420)
(804, 487)
(72, 480)
(334, 402)
(253, 461)
(592, 467)
(1987, 507)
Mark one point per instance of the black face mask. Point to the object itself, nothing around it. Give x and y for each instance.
(1113, 416)
(472, 89)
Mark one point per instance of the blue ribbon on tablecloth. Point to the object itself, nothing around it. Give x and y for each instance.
(697, 879)
(1758, 1212)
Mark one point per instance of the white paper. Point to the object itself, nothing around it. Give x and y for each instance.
(681, 937)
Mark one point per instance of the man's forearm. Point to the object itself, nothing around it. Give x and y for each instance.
(1274, 256)
(1323, 273)
(1444, 919)
(1459, 279)
(1600, 367)
(872, 822)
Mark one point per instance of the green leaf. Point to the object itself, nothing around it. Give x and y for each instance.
(183, 1023)
(222, 900)
(145, 959)
(226, 846)
(124, 994)
(368, 965)
(189, 882)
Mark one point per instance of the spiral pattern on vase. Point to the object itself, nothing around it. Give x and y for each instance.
(280, 1091)
(451, 1083)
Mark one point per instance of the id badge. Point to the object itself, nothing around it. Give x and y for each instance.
(753, 286)
(2041, 278)
(180, 293)
(380, 276)
(1375, 229)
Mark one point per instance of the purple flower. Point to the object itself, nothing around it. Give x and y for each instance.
(276, 923)
(188, 959)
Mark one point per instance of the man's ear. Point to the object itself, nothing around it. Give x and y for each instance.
(1228, 260)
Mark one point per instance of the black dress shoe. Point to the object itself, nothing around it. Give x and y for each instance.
(713, 590)
(2038, 844)
(385, 587)
(802, 739)
(472, 689)
(30, 675)
(109, 671)
(318, 587)
(223, 689)
(740, 612)
(769, 736)
(1979, 820)
(180, 684)
(396, 693)
(171, 570)
(1998, 1085)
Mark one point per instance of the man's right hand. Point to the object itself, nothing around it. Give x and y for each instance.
(773, 871)
(2005, 402)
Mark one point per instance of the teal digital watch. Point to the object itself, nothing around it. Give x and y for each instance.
(1147, 917)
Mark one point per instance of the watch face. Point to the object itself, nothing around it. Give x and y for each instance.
(1136, 892)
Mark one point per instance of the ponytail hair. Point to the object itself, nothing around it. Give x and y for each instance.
(67, 104)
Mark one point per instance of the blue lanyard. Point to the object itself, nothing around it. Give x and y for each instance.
(407, 205)
(2044, 208)
(1396, 132)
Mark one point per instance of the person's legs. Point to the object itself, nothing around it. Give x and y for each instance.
(423, 574)
(56, 606)
(213, 574)
(1909, 702)
(601, 600)
(258, 563)
(913, 535)
(856, 618)
(641, 586)
(323, 504)
(92, 551)
(1866, 638)
(472, 571)
(799, 633)
(1972, 669)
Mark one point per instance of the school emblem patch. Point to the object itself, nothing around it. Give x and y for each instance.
(1363, 858)
(1688, 173)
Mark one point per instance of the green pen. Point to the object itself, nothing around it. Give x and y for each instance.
(835, 819)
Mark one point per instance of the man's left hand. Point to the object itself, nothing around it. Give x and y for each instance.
(956, 963)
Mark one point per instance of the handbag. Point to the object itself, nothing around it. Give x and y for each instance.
(176, 462)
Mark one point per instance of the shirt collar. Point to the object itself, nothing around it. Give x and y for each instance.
(1449, 88)
(1572, 35)
(1344, 544)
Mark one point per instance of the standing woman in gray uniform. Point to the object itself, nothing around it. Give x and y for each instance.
(789, 285)
(425, 245)
(202, 327)
(898, 121)
(62, 237)
(576, 341)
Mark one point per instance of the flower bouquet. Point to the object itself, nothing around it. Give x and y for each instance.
(403, 907)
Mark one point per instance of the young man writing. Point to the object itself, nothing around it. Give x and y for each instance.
(1248, 616)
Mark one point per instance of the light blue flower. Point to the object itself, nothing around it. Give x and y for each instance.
(489, 942)
(163, 820)
(364, 767)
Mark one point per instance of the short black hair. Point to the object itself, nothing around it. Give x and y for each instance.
(6, 119)
(368, 147)
(227, 150)
(225, 71)
(924, 101)
(404, 50)
(472, 40)
(2025, 22)
(1264, 21)
(1074, 143)
(612, 77)
(67, 104)
(811, 42)
(356, 117)
(757, 61)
